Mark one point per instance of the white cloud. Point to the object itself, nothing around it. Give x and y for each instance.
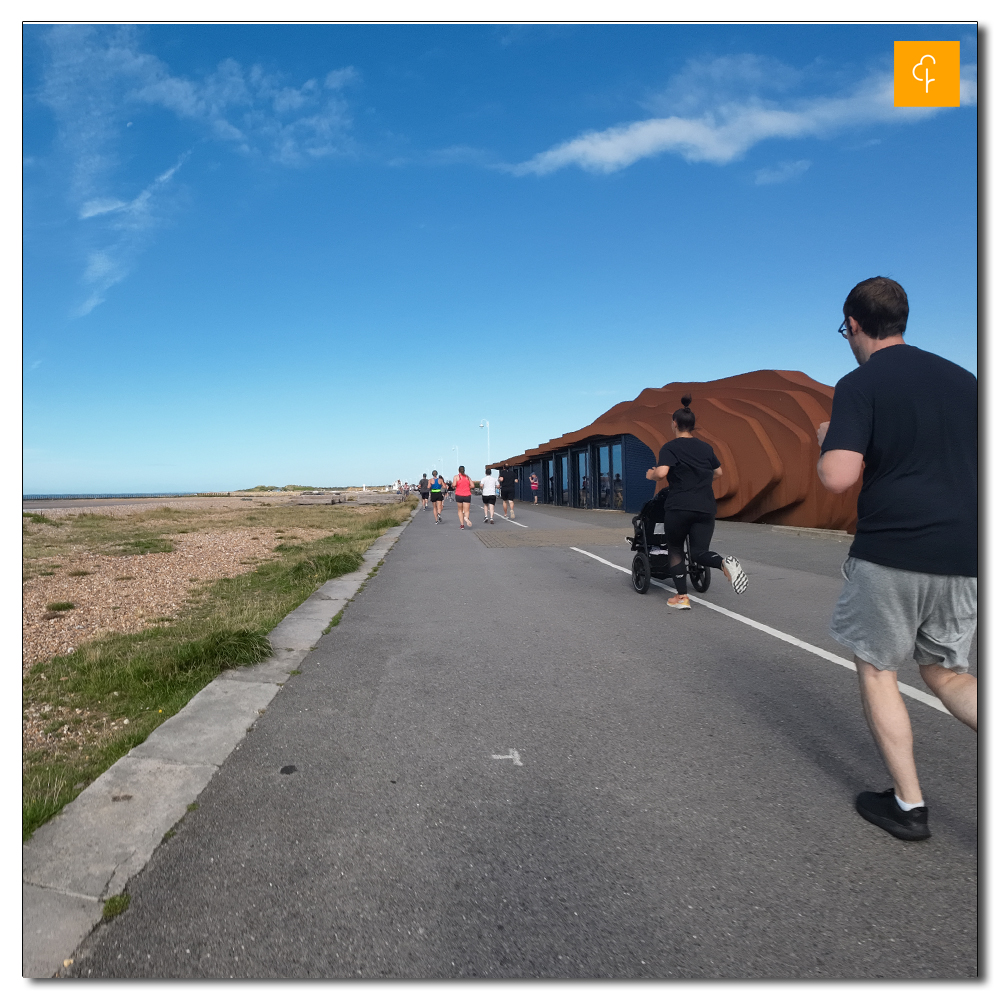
(340, 78)
(98, 82)
(785, 171)
(723, 129)
(100, 206)
(122, 237)
(255, 110)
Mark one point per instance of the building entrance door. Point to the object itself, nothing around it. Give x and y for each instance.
(564, 480)
(617, 486)
(603, 471)
(581, 479)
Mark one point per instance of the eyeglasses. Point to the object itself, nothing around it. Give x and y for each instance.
(844, 329)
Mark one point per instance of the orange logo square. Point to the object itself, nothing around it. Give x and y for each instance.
(926, 74)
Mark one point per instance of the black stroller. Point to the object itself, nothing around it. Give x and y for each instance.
(647, 564)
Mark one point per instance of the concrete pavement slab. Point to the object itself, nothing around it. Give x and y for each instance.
(212, 723)
(53, 923)
(108, 832)
(274, 670)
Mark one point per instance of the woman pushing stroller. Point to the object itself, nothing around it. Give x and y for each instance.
(689, 467)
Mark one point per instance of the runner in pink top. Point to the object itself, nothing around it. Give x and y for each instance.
(463, 497)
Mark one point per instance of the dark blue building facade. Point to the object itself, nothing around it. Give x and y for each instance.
(604, 473)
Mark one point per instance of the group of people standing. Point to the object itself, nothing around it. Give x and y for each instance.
(436, 489)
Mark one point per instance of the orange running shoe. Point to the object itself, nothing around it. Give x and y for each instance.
(680, 601)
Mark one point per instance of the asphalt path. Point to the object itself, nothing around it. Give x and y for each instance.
(509, 764)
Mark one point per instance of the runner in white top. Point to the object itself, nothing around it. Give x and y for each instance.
(489, 487)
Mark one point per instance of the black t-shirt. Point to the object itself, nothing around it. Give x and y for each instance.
(692, 466)
(509, 475)
(914, 416)
(423, 485)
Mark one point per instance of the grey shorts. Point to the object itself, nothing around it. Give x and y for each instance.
(888, 616)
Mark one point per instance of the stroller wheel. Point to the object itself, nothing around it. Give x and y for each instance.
(640, 572)
(701, 577)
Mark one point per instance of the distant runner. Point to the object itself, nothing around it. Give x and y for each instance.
(488, 485)
(437, 497)
(463, 497)
(688, 506)
(425, 488)
(507, 481)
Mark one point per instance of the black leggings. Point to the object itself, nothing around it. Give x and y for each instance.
(678, 525)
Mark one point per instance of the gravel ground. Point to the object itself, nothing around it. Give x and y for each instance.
(123, 594)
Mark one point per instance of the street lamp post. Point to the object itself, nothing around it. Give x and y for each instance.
(486, 423)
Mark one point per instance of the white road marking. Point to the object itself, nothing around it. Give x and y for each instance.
(508, 520)
(513, 755)
(912, 692)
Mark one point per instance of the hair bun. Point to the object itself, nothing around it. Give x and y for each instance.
(685, 401)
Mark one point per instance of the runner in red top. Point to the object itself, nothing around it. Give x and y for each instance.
(463, 497)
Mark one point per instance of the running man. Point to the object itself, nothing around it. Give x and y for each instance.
(437, 496)
(909, 420)
(488, 485)
(687, 466)
(425, 488)
(463, 497)
(508, 480)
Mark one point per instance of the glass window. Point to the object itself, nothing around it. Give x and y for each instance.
(617, 486)
(550, 480)
(604, 476)
(582, 479)
(564, 480)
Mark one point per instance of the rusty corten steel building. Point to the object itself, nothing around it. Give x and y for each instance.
(762, 426)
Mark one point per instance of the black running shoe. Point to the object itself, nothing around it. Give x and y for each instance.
(882, 809)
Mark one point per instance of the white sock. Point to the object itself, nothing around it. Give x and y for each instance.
(907, 806)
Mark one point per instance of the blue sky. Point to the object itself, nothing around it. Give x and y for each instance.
(323, 254)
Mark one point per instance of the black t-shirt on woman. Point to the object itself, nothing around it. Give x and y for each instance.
(692, 469)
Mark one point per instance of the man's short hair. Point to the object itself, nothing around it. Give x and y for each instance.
(879, 306)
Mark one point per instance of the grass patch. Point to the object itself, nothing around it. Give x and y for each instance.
(79, 572)
(116, 905)
(60, 606)
(140, 680)
(143, 546)
(334, 621)
(34, 518)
